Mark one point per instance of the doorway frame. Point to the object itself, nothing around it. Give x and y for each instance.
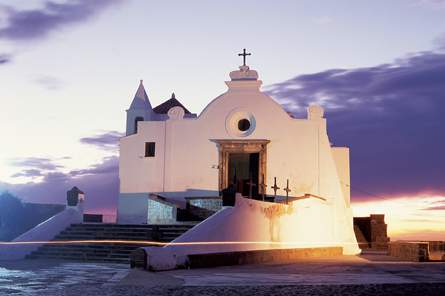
(226, 147)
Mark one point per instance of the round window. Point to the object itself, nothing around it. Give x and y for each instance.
(240, 123)
(243, 125)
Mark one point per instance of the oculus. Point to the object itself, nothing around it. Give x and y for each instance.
(243, 124)
(240, 123)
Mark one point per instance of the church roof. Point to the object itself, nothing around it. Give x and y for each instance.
(167, 105)
(140, 100)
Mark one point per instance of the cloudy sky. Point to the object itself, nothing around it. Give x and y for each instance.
(69, 69)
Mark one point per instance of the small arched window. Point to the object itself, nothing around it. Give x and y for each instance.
(136, 120)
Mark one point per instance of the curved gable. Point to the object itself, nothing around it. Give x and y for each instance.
(244, 95)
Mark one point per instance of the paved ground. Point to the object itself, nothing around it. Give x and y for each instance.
(29, 277)
(366, 275)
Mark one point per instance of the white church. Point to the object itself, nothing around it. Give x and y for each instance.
(244, 173)
(244, 140)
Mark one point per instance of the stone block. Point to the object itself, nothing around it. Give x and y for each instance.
(409, 251)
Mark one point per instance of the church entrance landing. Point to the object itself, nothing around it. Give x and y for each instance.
(242, 163)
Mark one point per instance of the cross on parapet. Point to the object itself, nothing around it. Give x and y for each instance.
(275, 187)
(263, 187)
(251, 184)
(244, 54)
(287, 189)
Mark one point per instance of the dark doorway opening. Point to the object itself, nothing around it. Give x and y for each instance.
(244, 169)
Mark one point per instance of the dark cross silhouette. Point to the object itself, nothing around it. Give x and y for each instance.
(234, 179)
(275, 187)
(263, 187)
(244, 54)
(287, 189)
(251, 184)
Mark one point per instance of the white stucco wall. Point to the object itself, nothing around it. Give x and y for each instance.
(257, 225)
(132, 208)
(31, 240)
(138, 173)
(341, 158)
(186, 164)
(186, 158)
(191, 158)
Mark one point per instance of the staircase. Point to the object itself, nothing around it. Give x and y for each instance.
(107, 252)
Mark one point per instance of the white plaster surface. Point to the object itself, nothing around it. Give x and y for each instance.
(186, 164)
(257, 225)
(45, 231)
(186, 160)
(132, 208)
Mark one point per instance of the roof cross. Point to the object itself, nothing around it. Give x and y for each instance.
(244, 54)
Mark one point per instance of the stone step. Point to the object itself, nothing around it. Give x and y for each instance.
(111, 230)
(111, 233)
(81, 253)
(164, 238)
(95, 246)
(129, 234)
(77, 258)
(83, 250)
(123, 226)
(77, 251)
(106, 252)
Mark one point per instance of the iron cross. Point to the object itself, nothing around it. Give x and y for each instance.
(234, 179)
(275, 187)
(287, 189)
(263, 187)
(251, 184)
(244, 54)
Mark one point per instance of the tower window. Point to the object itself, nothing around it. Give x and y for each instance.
(150, 149)
(136, 120)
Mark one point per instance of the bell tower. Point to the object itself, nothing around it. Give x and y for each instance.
(140, 110)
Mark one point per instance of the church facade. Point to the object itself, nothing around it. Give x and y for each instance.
(243, 138)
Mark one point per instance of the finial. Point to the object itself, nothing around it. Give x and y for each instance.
(141, 81)
(244, 54)
(173, 95)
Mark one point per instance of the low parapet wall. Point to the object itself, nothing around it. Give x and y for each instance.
(414, 251)
(139, 257)
(31, 240)
(260, 256)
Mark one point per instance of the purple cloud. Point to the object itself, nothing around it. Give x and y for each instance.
(5, 59)
(49, 82)
(105, 141)
(37, 23)
(436, 205)
(391, 117)
(28, 173)
(99, 182)
(108, 165)
(39, 163)
(435, 208)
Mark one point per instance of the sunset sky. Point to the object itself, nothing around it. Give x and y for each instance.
(69, 70)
